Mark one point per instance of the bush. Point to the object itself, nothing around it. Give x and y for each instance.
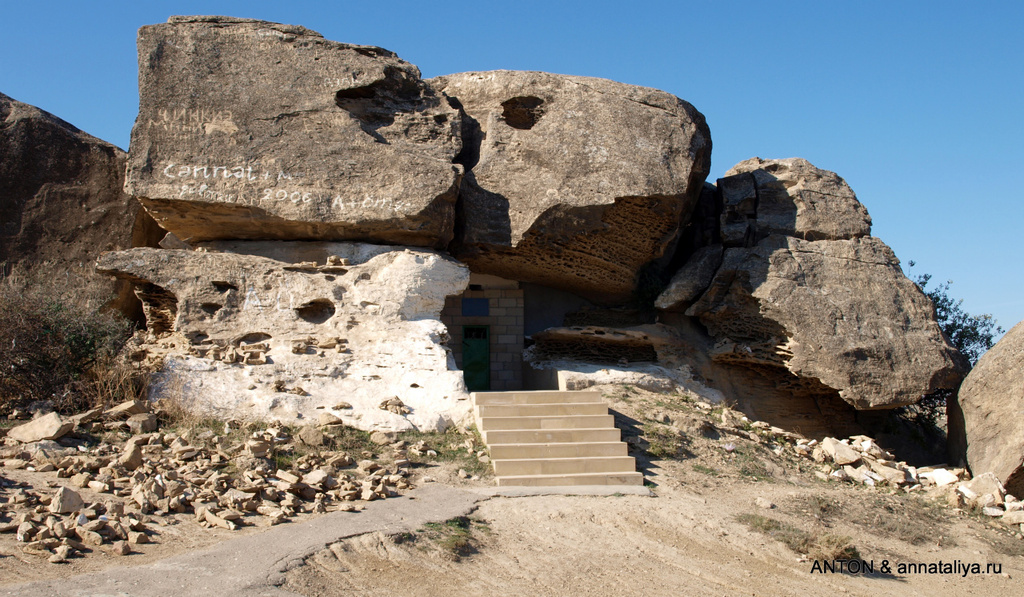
(972, 335)
(53, 335)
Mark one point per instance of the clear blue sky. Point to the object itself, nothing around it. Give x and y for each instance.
(918, 105)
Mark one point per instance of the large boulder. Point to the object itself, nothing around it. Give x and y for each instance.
(256, 130)
(61, 202)
(804, 295)
(837, 312)
(266, 332)
(574, 183)
(991, 401)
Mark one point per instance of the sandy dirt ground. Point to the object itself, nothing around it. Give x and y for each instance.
(685, 541)
(701, 532)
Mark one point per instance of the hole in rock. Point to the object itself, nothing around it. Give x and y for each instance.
(224, 286)
(211, 308)
(252, 338)
(522, 112)
(197, 337)
(316, 311)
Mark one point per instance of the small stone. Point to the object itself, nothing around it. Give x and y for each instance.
(992, 511)
(90, 537)
(382, 438)
(287, 477)
(218, 521)
(99, 486)
(26, 531)
(65, 501)
(315, 477)
(986, 483)
(940, 477)
(120, 548)
(327, 419)
(125, 410)
(463, 474)
(60, 554)
(839, 452)
(341, 406)
(765, 503)
(142, 423)
(311, 436)
(49, 426)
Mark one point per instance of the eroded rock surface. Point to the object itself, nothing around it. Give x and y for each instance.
(246, 335)
(991, 400)
(61, 200)
(256, 130)
(805, 296)
(575, 182)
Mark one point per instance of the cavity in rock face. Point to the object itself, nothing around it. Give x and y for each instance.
(575, 183)
(256, 130)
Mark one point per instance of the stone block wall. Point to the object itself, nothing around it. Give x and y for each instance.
(504, 320)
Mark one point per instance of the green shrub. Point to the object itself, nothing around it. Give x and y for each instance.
(52, 337)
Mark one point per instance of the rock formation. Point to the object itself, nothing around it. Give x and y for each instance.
(286, 162)
(61, 201)
(242, 335)
(256, 130)
(574, 183)
(990, 403)
(805, 296)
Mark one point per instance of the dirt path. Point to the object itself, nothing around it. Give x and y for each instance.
(255, 564)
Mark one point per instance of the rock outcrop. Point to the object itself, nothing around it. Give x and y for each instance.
(991, 400)
(804, 294)
(61, 201)
(242, 335)
(256, 130)
(789, 197)
(574, 183)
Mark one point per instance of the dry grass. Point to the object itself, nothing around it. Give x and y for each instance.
(816, 546)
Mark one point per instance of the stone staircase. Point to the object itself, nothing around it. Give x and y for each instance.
(551, 438)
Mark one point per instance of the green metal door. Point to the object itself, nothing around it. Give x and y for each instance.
(476, 357)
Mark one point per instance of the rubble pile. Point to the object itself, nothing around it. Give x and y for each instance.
(858, 459)
(110, 496)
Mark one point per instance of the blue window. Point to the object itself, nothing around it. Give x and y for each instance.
(475, 307)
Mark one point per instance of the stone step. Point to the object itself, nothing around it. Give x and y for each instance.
(566, 422)
(542, 410)
(563, 466)
(539, 397)
(557, 450)
(634, 478)
(540, 436)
